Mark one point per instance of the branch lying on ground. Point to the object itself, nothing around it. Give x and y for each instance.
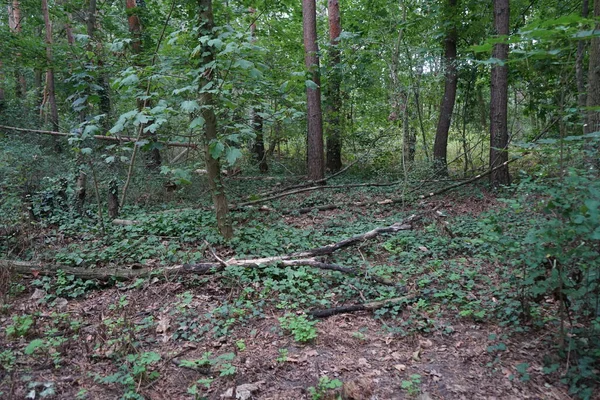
(375, 305)
(97, 137)
(334, 206)
(305, 184)
(304, 258)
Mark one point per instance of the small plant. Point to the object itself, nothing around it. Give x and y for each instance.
(137, 369)
(7, 360)
(301, 327)
(21, 326)
(240, 344)
(283, 355)
(325, 385)
(412, 386)
(64, 285)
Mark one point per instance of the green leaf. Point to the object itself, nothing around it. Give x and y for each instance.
(190, 106)
(216, 149)
(311, 85)
(197, 122)
(130, 80)
(244, 64)
(33, 346)
(232, 154)
(216, 43)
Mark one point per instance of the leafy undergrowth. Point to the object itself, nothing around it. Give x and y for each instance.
(500, 300)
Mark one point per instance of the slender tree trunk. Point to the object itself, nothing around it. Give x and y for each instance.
(153, 161)
(499, 98)
(259, 143)
(102, 80)
(593, 92)
(50, 91)
(80, 191)
(257, 120)
(315, 156)
(2, 90)
(334, 98)
(15, 24)
(409, 139)
(213, 167)
(579, 67)
(483, 110)
(440, 146)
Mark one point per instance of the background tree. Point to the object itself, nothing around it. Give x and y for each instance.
(50, 86)
(499, 96)
(440, 146)
(213, 166)
(314, 115)
(334, 98)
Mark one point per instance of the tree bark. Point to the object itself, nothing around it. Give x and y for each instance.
(213, 168)
(314, 117)
(50, 91)
(499, 98)
(153, 159)
(579, 67)
(593, 92)
(440, 146)
(257, 120)
(2, 90)
(334, 99)
(102, 81)
(15, 25)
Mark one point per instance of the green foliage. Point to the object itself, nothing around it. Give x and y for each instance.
(412, 386)
(300, 326)
(21, 326)
(64, 285)
(325, 386)
(7, 360)
(136, 369)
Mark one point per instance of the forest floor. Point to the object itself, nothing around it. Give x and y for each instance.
(242, 332)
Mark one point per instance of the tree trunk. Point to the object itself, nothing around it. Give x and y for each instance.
(440, 146)
(113, 199)
(259, 143)
(593, 91)
(257, 120)
(2, 91)
(80, 192)
(334, 99)
(579, 67)
(153, 160)
(102, 80)
(50, 92)
(499, 98)
(207, 102)
(315, 157)
(15, 25)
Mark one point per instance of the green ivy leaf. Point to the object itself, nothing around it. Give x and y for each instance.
(216, 149)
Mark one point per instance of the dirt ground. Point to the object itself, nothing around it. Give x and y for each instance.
(371, 360)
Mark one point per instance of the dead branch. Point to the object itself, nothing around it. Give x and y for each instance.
(375, 305)
(97, 137)
(125, 222)
(304, 258)
(403, 198)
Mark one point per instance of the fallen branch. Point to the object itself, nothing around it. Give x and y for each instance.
(97, 137)
(403, 198)
(304, 258)
(125, 222)
(375, 305)
(307, 184)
